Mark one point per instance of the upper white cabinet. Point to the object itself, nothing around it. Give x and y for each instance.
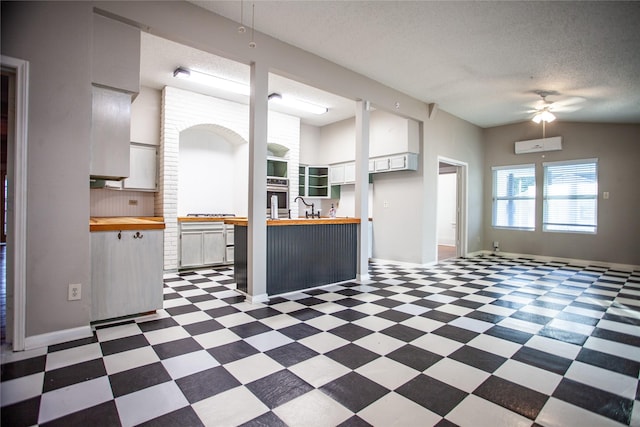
(145, 116)
(315, 181)
(344, 173)
(110, 133)
(404, 161)
(391, 134)
(116, 54)
(143, 173)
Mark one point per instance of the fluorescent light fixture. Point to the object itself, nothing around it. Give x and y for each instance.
(543, 116)
(297, 104)
(211, 81)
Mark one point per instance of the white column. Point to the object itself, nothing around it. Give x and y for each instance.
(362, 187)
(257, 227)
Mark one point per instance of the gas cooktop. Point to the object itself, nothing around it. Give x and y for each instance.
(209, 215)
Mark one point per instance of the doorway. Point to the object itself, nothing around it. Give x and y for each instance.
(7, 81)
(15, 104)
(451, 202)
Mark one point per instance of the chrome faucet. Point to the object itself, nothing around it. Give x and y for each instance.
(312, 206)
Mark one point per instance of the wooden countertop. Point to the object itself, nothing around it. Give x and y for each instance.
(117, 223)
(299, 221)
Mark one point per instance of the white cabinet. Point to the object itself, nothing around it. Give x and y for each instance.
(404, 161)
(145, 116)
(350, 173)
(213, 247)
(390, 134)
(110, 133)
(143, 168)
(344, 173)
(126, 272)
(337, 174)
(229, 237)
(204, 243)
(316, 181)
(116, 54)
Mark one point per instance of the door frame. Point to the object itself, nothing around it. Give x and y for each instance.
(461, 204)
(17, 224)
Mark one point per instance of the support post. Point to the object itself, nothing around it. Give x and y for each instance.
(362, 187)
(257, 224)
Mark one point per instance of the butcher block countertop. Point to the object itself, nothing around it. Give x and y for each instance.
(117, 223)
(299, 221)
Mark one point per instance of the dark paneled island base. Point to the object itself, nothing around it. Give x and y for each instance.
(302, 254)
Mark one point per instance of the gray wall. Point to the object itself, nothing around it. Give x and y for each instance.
(56, 40)
(617, 148)
(448, 136)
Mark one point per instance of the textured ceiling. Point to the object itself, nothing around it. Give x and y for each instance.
(481, 61)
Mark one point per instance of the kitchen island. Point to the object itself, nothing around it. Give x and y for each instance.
(301, 253)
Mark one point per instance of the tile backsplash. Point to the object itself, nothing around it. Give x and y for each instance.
(105, 202)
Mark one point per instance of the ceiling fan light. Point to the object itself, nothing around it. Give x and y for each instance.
(547, 116)
(544, 116)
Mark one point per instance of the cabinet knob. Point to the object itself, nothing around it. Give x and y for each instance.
(119, 235)
(138, 235)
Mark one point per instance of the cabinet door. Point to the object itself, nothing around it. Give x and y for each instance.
(398, 162)
(116, 54)
(382, 164)
(126, 273)
(110, 133)
(349, 173)
(337, 174)
(214, 247)
(229, 257)
(191, 248)
(143, 171)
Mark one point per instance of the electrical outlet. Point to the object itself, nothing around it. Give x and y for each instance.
(385, 204)
(75, 292)
(133, 202)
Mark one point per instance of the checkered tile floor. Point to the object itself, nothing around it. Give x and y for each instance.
(486, 341)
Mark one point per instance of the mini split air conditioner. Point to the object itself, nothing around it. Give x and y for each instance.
(537, 145)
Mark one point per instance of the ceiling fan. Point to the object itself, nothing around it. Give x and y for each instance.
(544, 109)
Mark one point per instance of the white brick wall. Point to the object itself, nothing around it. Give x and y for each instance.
(182, 110)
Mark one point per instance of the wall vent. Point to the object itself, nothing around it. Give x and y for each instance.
(537, 145)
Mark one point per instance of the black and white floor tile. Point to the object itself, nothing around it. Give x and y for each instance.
(485, 341)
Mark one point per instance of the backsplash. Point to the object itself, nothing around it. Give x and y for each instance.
(105, 202)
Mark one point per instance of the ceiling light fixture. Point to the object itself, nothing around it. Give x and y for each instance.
(287, 101)
(212, 81)
(543, 116)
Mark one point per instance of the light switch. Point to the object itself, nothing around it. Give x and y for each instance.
(605, 195)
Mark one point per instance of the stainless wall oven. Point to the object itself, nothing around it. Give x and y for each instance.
(280, 188)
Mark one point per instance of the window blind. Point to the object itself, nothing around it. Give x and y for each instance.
(514, 197)
(570, 196)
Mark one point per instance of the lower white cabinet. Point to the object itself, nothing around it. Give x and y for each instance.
(204, 243)
(126, 272)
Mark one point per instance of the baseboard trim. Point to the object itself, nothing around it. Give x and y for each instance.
(57, 337)
(574, 261)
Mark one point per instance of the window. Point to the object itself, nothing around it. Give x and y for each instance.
(514, 197)
(570, 196)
